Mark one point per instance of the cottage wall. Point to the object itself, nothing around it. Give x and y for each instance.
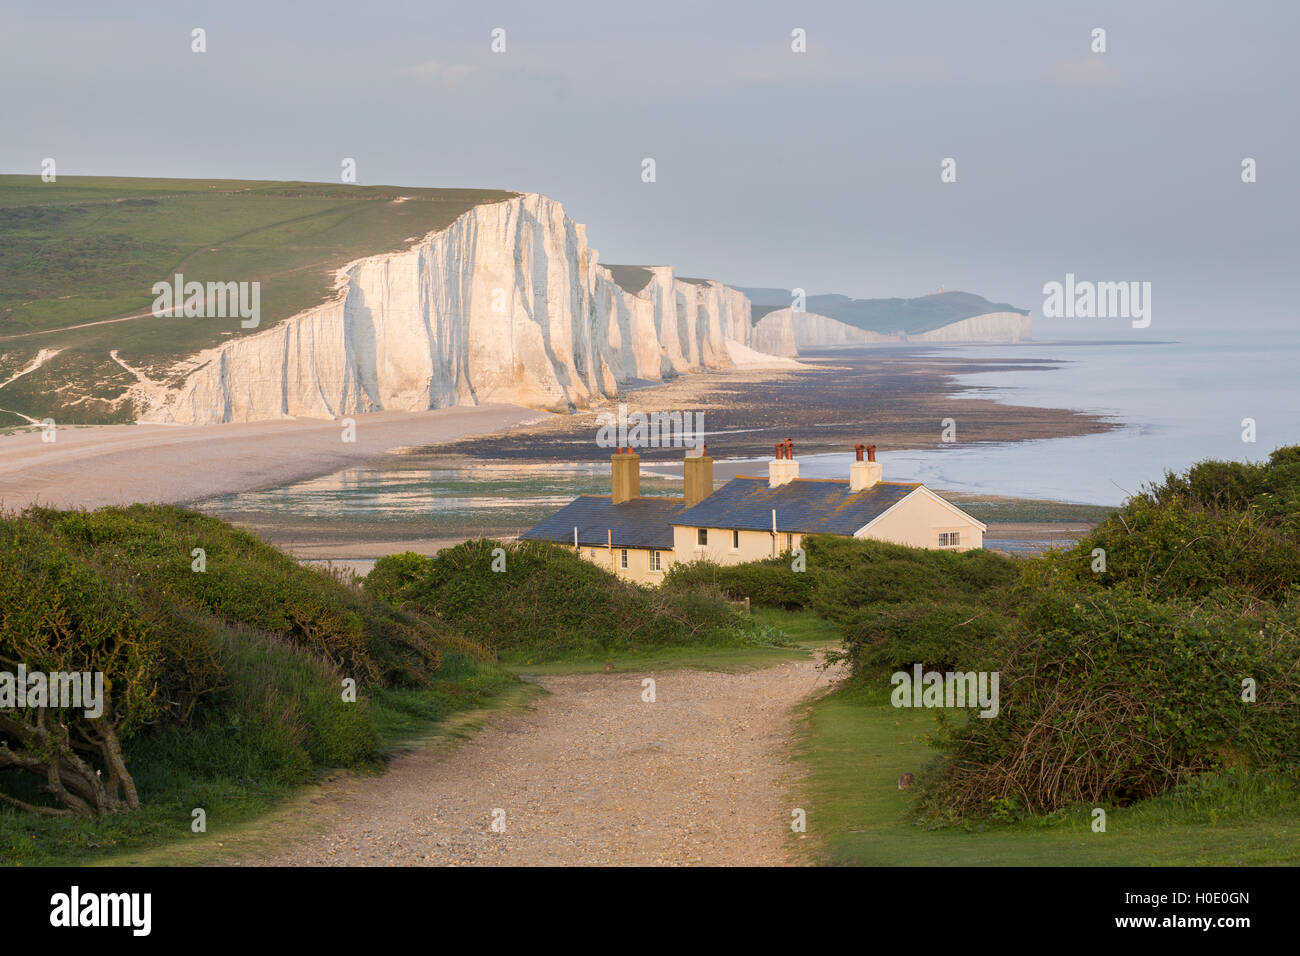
(919, 519)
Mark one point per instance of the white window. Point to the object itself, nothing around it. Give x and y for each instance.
(735, 540)
(949, 539)
(622, 559)
(654, 561)
(789, 542)
(702, 536)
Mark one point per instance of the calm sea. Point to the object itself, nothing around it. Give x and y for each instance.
(1178, 402)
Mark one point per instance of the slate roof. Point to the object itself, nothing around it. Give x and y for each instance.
(805, 505)
(635, 523)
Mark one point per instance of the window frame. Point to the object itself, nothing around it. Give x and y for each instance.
(701, 537)
(735, 539)
(622, 559)
(656, 563)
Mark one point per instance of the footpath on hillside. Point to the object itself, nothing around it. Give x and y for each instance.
(591, 774)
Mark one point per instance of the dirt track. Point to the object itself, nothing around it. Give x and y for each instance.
(592, 775)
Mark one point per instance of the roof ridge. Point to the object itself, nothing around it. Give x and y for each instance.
(838, 481)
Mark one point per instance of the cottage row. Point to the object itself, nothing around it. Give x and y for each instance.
(749, 518)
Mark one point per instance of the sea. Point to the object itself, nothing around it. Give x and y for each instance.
(1226, 394)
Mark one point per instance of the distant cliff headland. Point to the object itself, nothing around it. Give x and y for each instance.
(828, 320)
(374, 299)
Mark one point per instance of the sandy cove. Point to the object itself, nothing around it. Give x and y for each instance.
(178, 464)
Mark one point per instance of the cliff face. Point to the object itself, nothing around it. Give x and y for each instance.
(995, 327)
(813, 331)
(775, 334)
(507, 304)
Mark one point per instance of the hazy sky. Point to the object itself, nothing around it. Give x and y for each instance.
(819, 170)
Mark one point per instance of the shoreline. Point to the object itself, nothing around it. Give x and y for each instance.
(896, 397)
(98, 465)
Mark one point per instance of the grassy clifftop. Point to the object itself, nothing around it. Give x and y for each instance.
(86, 250)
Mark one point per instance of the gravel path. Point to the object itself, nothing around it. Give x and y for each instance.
(591, 775)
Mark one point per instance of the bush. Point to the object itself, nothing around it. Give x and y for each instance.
(280, 715)
(548, 602)
(1112, 696)
(61, 614)
(1176, 550)
(883, 638)
(1270, 489)
(239, 665)
(767, 583)
(245, 580)
(248, 583)
(843, 575)
(855, 574)
(393, 573)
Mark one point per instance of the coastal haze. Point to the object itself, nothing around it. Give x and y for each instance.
(817, 170)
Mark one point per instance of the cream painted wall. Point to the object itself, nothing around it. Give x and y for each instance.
(919, 518)
(638, 563)
(754, 545)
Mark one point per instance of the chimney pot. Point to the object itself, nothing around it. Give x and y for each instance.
(783, 468)
(864, 474)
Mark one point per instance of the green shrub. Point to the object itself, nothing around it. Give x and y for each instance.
(549, 602)
(852, 574)
(1111, 696)
(1176, 550)
(393, 573)
(767, 583)
(248, 583)
(61, 614)
(843, 575)
(245, 581)
(235, 670)
(880, 639)
(1271, 489)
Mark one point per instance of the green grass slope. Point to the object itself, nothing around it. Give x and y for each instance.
(88, 249)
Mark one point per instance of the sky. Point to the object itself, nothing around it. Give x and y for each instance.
(818, 169)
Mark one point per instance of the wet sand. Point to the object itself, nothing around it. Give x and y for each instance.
(895, 398)
(122, 464)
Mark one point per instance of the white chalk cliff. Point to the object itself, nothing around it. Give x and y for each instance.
(995, 327)
(507, 304)
(812, 330)
(819, 331)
